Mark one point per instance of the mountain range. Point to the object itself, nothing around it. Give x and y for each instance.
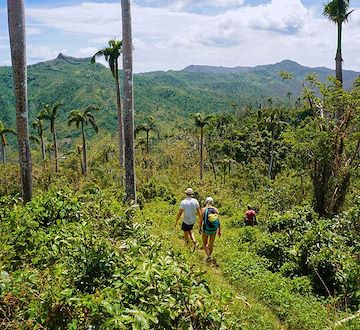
(171, 94)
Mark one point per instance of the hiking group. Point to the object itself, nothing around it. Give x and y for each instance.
(209, 224)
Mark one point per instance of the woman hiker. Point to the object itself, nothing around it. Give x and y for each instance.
(209, 226)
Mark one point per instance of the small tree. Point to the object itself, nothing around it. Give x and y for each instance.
(51, 113)
(82, 119)
(39, 127)
(147, 127)
(330, 148)
(3, 132)
(200, 121)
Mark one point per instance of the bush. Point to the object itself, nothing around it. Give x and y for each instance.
(60, 270)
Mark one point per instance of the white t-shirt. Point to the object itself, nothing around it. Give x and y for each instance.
(189, 205)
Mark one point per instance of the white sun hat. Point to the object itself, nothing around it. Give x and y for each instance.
(209, 200)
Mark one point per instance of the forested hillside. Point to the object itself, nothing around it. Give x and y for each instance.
(79, 256)
(77, 84)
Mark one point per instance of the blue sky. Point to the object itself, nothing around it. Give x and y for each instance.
(171, 34)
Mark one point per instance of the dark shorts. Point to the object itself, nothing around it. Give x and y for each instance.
(209, 232)
(186, 227)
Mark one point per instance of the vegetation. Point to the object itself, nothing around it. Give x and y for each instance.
(50, 113)
(82, 119)
(86, 253)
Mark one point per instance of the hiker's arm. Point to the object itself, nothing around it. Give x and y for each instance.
(178, 216)
(201, 219)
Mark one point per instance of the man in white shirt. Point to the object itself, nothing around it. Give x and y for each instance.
(190, 208)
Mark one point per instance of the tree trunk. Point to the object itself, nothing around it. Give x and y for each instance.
(271, 163)
(2, 153)
(16, 18)
(229, 168)
(120, 124)
(84, 160)
(201, 151)
(213, 168)
(43, 149)
(147, 143)
(55, 150)
(338, 64)
(338, 58)
(128, 102)
(224, 172)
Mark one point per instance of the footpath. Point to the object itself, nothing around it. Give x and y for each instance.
(242, 308)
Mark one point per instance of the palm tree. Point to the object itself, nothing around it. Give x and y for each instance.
(3, 131)
(147, 127)
(200, 121)
(337, 12)
(112, 54)
(128, 101)
(83, 118)
(38, 125)
(16, 23)
(51, 113)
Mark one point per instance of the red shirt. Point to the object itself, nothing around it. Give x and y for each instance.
(250, 214)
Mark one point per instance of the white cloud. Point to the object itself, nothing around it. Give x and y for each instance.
(85, 52)
(33, 30)
(87, 17)
(171, 37)
(37, 53)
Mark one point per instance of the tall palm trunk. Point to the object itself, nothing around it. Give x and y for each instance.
(338, 58)
(338, 64)
(2, 152)
(16, 17)
(42, 148)
(128, 101)
(213, 168)
(271, 162)
(120, 123)
(55, 148)
(147, 143)
(201, 151)
(84, 158)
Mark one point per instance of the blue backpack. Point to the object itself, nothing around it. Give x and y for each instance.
(211, 219)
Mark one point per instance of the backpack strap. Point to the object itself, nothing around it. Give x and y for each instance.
(206, 216)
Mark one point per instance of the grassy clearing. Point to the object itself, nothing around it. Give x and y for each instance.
(255, 298)
(243, 309)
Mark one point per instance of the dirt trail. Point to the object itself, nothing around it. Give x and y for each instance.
(246, 311)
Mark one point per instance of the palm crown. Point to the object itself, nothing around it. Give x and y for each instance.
(337, 11)
(111, 54)
(4, 130)
(84, 117)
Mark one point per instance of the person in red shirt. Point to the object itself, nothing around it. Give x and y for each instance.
(250, 216)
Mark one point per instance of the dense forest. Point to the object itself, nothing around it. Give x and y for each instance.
(78, 253)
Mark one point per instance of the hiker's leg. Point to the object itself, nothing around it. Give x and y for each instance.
(192, 237)
(206, 244)
(211, 243)
(205, 240)
(186, 236)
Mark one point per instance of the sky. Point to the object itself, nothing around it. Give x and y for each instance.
(172, 34)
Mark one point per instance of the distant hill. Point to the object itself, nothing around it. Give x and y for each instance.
(169, 94)
(299, 71)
